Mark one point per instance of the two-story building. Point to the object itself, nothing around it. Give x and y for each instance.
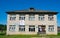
(31, 21)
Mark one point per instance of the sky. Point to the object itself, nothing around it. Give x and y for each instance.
(11, 5)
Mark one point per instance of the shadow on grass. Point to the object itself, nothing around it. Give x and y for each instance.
(3, 34)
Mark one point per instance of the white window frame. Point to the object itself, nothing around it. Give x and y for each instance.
(21, 28)
(22, 17)
(31, 27)
(13, 17)
(41, 17)
(50, 17)
(31, 17)
(51, 28)
(12, 28)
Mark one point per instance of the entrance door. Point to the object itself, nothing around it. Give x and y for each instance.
(41, 29)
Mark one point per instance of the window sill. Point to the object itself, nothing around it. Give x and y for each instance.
(31, 31)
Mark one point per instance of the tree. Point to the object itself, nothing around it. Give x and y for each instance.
(2, 27)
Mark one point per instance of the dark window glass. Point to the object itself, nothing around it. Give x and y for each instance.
(41, 17)
(22, 17)
(50, 17)
(31, 28)
(21, 27)
(12, 27)
(12, 17)
(31, 17)
(51, 28)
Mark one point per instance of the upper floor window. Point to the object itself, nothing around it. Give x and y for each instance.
(22, 17)
(31, 28)
(41, 17)
(50, 17)
(12, 17)
(51, 28)
(12, 27)
(32, 17)
(21, 27)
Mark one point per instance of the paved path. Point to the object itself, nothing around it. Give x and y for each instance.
(38, 37)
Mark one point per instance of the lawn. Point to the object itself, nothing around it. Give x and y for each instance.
(2, 35)
(29, 36)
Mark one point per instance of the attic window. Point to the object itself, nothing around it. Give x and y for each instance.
(31, 9)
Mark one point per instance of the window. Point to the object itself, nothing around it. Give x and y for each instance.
(41, 17)
(12, 17)
(51, 28)
(32, 17)
(21, 27)
(22, 17)
(31, 28)
(50, 17)
(11, 27)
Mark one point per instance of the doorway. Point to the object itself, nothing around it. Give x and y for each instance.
(41, 29)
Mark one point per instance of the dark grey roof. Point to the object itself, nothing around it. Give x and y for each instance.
(31, 11)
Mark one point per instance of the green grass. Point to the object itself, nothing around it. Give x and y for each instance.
(28, 36)
(2, 35)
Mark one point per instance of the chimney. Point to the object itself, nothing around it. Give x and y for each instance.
(32, 9)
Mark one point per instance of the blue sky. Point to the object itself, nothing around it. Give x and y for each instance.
(7, 5)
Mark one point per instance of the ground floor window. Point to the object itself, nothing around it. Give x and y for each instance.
(21, 27)
(11, 27)
(51, 28)
(31, 28)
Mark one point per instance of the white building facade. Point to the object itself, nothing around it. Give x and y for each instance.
(31, 22)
